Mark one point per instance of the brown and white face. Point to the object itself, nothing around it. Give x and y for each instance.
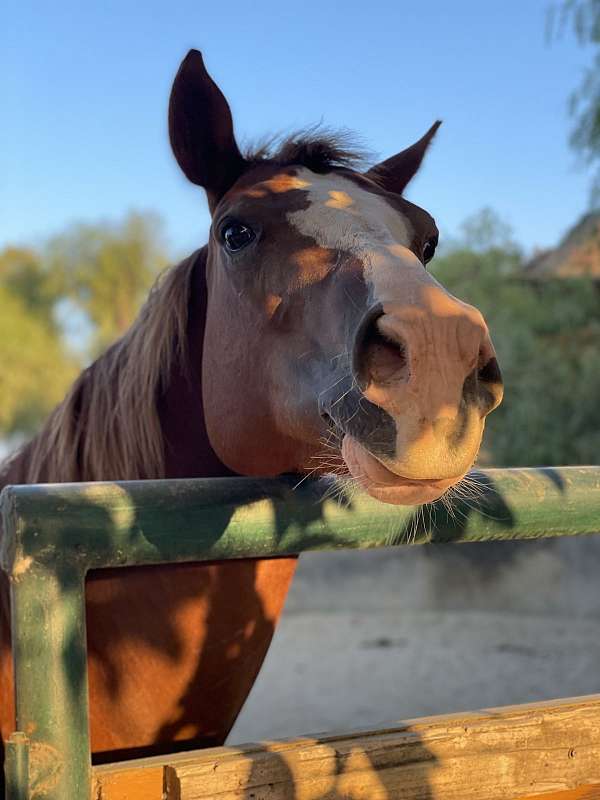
(322, 318)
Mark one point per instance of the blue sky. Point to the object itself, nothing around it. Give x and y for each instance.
(85, 89)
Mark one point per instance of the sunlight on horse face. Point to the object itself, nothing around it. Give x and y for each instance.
(328, 346)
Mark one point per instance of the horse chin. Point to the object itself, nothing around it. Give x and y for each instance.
(385, 485)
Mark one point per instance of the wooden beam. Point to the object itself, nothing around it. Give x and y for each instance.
(142, 779)
(582, 793)
(529, 751)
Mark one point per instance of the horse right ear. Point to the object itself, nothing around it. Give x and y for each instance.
(395, 173)
(201, 130)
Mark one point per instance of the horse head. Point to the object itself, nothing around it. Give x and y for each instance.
(328, 345)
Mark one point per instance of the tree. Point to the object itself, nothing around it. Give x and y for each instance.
(99, 273)
(106, 271)
(584, 16)
(36, 367)
(24, 275)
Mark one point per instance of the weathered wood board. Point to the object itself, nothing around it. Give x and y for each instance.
(582, 793)
(541, 750)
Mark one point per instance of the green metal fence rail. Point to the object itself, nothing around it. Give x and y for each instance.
(54, 534)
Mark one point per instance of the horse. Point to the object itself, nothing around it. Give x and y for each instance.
(306, 336)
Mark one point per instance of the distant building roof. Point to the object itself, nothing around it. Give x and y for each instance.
(577, 255)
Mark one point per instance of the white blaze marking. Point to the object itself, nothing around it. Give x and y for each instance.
(343, 216)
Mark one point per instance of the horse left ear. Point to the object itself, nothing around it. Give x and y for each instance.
(201, 130)
(394, 173)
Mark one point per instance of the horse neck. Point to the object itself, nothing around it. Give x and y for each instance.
(187, 448)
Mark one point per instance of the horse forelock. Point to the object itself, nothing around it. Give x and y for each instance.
(318, 148)
(108, 427)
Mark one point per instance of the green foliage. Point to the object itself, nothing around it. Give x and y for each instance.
(107, 270)
(36, 367)
(23, 274)
(547, 336)
(104, 273)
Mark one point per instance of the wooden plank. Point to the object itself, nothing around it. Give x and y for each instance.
(142, 779)
(582, 793)
(530, 751)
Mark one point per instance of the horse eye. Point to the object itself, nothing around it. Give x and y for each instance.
(429, 250)
(236, 236)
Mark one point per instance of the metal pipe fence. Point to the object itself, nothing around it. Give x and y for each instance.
(54, 534)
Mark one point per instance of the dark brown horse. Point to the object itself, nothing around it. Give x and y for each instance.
(306, 335)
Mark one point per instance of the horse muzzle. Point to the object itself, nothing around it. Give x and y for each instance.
(412, 412)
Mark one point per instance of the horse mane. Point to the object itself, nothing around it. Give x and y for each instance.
(107, 427)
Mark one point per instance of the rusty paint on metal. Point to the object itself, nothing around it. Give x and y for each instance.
(20, 566)
(45, 768)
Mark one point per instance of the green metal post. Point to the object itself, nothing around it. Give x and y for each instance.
(50, 668)
(16, 767)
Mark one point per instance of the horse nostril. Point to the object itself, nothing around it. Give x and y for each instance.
(490, 372)
(489, 386)
(380, 356)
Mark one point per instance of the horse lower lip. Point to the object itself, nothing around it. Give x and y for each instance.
(385, 485)
(377, 471)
